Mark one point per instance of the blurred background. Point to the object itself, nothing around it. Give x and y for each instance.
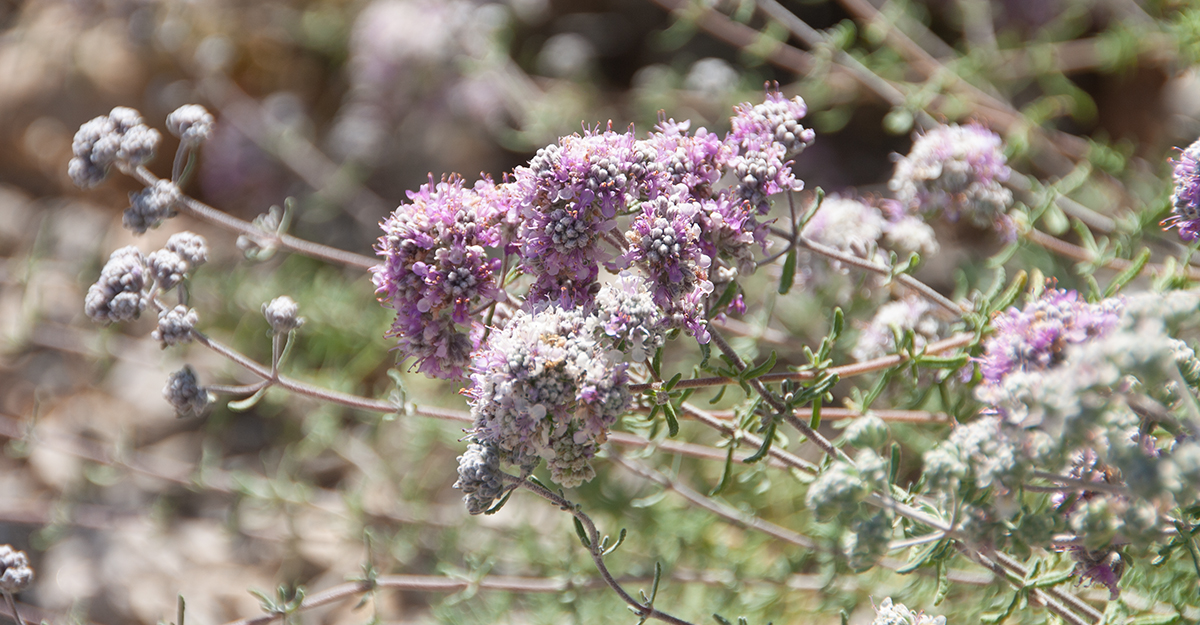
(343, 105)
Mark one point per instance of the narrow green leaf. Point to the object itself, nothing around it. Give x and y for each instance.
(920, 558)
(672, 420)
(656, 362)
(243, 405)
(727, 473)
(672, 382)
(943, 583)
(1155, 619)
(944, 362)
(762, 369)
(620, 539)
(582, 533)
(1128, 274)
(788, 276)
(1052, 578)
(500, 504)
(721, 619)
(768, 437)
(705, 353)
(1010, 294)
(716, 398)
(815, 422)
(657, 579)
(894, 470)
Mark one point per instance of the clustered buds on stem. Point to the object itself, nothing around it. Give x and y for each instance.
(281, 314)
(119, 138)
(15, 572)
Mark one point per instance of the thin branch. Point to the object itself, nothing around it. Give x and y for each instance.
(1070, 250)
(644, 611)
(204, 212)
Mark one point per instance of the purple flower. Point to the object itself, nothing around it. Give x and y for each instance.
(1034, 337)
(436, 270)
(569, 197)
(544, 387)
(1186, 199)
(664, 243)
(764, 137)
(627, 315)
(671, 158)
(957, 171)
(1103, 567)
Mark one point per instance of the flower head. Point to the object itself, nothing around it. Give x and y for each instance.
(192, 123)
(15, 573)
(185, 394)
(117, 138)
(436, 270)
(175, 326)
(957, 171)
(664, 241)
(1186, 198)
(544, 388)
(151, 206)
(281, 314)
(120, 294)
(479, 477)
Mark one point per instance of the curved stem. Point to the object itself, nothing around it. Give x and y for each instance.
(203, 211)
(644, 611)
(1070, 250)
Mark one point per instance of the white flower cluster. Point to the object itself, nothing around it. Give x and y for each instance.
(911, 313)
(545, 388)
(889, 613)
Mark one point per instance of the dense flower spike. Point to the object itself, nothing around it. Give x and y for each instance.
(767, 135)
(15, 573)
(570, 194)
(185, 394)
(1032, 338)
(436, 270)
(120, 293)
(627, 315)
(192, 123)
(281, 314)
(671, 159)
(190, 246)
(151, 206)
(175, 326)
(117, 138)
(664, 242)
(957, 171)
(545, 388)
(479, 477)
(167, 267)
(1186, 198)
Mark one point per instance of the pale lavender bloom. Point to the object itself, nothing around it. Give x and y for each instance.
(1034, 337)
(1104, 567)
(192, 123)
(765, 136)
(117, 138)
(664, 242)
(151, 206)
(175, 326)
(889, 613)
(190, 246)
(436, 270)
(479, 477)
(670, 158)
(120, 292)
(167, 267)
(281, 314)
(1186, 198)
(15, 573)
(627, 315)
(957, 171)
(185, 394)
(909, 314)
(544, 388)
(570, 194)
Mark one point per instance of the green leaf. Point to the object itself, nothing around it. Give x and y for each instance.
(815, 421)
(894, 470)
(657, 579)
(582, 533)
(672, 419)
(672, 382)
(762, 369)
(944, 362)
(768, 437)
(788, 276)
(920, 558)
(1010, 294)
(716, 398)
(656, 362)
(727, 473)
(620, 539)
(1129, 273)
(500, 504)
(243, 405)
(721, 619)
(1052, 578)
(1155, 619)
